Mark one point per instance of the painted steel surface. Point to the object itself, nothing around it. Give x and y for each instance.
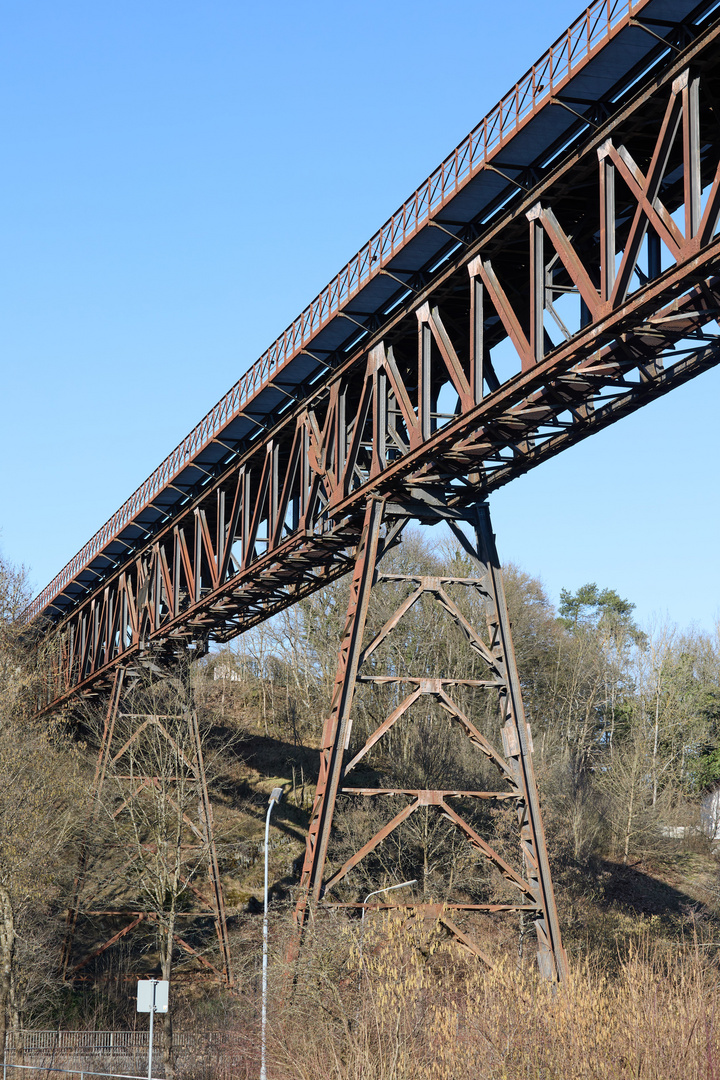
(593, 63)
(592, 290)
(559, 270)
(530, 882)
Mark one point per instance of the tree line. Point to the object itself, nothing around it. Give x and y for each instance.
(625, 720)
(625, 723)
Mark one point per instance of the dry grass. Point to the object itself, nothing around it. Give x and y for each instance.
(412, 1006)
(421, 1011)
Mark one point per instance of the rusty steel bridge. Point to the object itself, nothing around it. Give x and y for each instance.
(558, 270)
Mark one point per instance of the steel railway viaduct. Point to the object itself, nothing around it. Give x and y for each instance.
(557, 271)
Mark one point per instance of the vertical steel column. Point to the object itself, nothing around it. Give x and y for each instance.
(691, 156)
(424, 378)
(607, 222)
(220, 532)
(98, 781)
(207, 825)
(380, 413)
(197, 557)
(336, 733)
(537, 284)
(477, 338)
(551, 955)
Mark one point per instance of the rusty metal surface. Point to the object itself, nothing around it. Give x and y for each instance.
(624, 229)
(336, 731)
(87, 893)
(635, 40)
(531, 876)
(582, 285)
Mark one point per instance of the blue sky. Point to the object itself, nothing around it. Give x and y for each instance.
(181, 179)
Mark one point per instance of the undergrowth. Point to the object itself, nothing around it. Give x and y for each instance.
(414, 1007)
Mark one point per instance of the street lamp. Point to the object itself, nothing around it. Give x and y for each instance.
(388, 888)
(275, 797)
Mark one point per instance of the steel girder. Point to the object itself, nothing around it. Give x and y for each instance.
(582, 79)
(596, 292)
(533, 881)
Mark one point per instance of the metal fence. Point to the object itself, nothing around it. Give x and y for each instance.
(11, 1070)
(105, 1042)
(199, 1055)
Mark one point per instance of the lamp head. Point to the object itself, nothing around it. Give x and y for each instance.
(276, 794)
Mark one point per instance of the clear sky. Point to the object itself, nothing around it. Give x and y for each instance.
(180, 179)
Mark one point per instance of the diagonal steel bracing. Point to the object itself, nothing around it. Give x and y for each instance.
(104, 898)
(559, 270)
(592, 291)
(531, 879)
(336, 731)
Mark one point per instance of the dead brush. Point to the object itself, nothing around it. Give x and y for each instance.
(415, 1007)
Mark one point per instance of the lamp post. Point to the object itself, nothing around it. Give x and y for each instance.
(275, 797)
(388, 888)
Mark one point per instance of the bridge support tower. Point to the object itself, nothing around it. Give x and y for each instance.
(529, 879)
(150, 783)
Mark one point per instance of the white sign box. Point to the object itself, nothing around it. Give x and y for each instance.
(145, 995)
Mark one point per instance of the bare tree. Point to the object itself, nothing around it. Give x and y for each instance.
(157, 803)
(40, 785)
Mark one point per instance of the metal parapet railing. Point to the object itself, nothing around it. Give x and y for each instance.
(590, 32)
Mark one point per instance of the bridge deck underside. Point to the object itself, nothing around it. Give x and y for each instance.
(576, 280)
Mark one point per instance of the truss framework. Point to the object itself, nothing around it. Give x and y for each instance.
(93, 899)
(533, 882)
(596, 292)
(590, 287)
(547, 91)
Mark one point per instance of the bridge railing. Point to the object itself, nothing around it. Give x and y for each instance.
(589, 32)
